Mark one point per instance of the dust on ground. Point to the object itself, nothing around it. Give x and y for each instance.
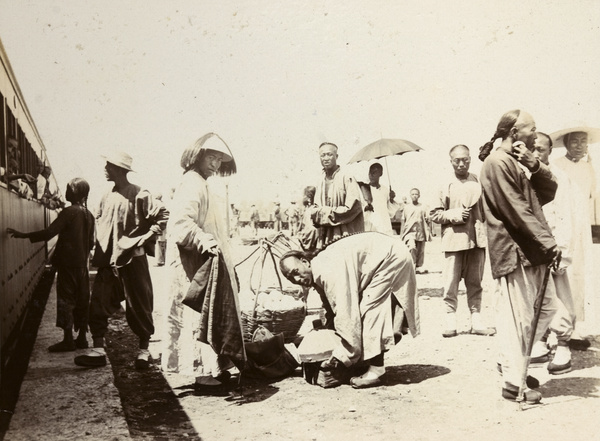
(435, 388)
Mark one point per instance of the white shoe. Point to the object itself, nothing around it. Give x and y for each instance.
(477, 326)
(450, 325)
(562, 355)
(540, 353)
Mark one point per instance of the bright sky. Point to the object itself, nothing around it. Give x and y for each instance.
(275, 79)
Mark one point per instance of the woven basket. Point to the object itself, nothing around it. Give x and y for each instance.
(287, 322)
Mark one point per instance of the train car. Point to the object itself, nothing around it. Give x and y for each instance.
(29, 199)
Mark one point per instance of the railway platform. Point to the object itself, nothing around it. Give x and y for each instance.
(61, 401)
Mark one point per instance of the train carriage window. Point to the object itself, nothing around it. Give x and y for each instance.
(2, 134)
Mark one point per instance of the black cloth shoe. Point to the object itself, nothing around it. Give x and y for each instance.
(142, 361)
(62, 346)
(557, 369)
(529, 396)
(579, 344)
(90, 360)
(539, 360)
(81, 343)
(449, 333)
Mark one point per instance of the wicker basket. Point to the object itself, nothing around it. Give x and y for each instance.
(287, 321)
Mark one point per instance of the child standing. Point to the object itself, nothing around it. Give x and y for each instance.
(75, 228)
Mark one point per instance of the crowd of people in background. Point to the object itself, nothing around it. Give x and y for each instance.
(360, 249)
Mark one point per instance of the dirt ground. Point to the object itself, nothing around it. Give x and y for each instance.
(435, 388)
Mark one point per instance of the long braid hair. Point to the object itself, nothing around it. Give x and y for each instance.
(507, 122)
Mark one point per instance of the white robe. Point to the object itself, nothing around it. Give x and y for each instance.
(195, 218)
(358, 275)
(581, 270)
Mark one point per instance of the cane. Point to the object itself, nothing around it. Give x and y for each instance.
(536, 317)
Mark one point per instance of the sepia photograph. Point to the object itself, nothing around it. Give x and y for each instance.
(303, 220)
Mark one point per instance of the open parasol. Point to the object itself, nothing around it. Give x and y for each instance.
(383, 148)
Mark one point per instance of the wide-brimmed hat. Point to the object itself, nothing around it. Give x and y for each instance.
(558, 137)
(218, 145)
(120, 159)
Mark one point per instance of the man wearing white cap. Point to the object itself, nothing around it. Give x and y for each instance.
(128, 221)
(581, 174)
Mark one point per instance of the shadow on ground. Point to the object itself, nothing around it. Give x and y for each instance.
(151, 408)
(583, 387)
(249, 391)
(413, 373)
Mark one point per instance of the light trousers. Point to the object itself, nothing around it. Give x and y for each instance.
(515, 312)
(467, 265)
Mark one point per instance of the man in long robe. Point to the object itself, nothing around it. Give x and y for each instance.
(378, 208)
(582, 177)
(361, 278)
(559, 214)
(338, 210)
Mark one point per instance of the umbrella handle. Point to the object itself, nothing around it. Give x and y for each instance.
(387, 172)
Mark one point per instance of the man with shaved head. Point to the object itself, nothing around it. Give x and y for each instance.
(463, 241)
(338, 209)
(521, 245)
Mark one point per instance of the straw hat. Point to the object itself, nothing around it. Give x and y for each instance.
(120, 159)
(558, 137)
(218, 145)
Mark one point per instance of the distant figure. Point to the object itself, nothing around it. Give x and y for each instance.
(75, 228)
(161, 241)
(416, 231)
(377, 205)
(463, 241)
(293, 215)
(362, 279)
(254, 219)
(307, 232)
(396, 213)
(338, 210)
(128, 221)
(583, 185)
(235, 220)
(277, 217)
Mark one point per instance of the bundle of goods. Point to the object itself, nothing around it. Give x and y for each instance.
(279, 309)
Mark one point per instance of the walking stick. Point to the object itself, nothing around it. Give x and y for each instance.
(536, 318)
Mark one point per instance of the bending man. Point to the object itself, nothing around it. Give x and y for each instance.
(359, 277)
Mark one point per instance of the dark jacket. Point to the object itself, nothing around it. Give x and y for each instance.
(516, 226)
(211, 294)
(75, 228)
